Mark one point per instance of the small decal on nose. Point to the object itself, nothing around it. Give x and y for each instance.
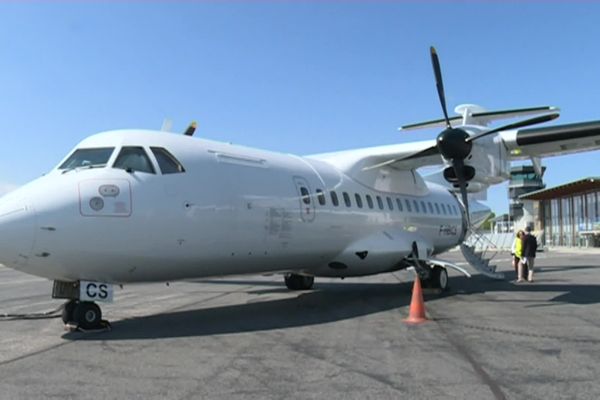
(96, 203)
(104, 198)
(109, 190)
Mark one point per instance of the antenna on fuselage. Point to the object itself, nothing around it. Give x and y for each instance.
(191, 129)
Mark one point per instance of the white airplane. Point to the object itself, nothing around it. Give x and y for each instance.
(132, 206)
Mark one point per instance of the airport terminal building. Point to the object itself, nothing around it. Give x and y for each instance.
(566, 215)
(523, 180)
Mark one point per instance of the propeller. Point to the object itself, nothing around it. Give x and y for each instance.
(191, 129)
(433, 150)
(452, 142)
(455, 144)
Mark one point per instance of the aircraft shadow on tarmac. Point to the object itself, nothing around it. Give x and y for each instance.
(328, 302)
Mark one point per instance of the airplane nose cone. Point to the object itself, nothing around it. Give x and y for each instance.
(17, 231)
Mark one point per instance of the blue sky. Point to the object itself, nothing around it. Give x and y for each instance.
(297, 77)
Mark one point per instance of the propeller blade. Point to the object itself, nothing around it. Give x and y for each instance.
(430, 151)
(458, 166)
(383, 164)
(519, 124)
(191, 129)
(166, 125)
(437, 71)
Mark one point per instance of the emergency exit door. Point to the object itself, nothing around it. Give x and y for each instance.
(306, 201)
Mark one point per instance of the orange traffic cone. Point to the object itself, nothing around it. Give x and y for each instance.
(416, 313)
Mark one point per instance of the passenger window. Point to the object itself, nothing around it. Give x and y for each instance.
(416, 206)
(89, 158)
(399, 204)
(347, 199)
(305, 195)
(390, 204)
(443, 208)
(437, 208)
(423, 208)
(166, 161)
(358, 200)
(369, 201)
(430, 207)
(408, 208)
(455, 210)
(134, 159)
(320, 197)
(334, 198)
(379, 202)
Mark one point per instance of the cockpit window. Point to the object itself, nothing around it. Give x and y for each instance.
(88, 158)
(166, 161)
(134, 159)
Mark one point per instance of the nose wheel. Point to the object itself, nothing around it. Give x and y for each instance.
(299, 282)
(85, 315)
(67, 311)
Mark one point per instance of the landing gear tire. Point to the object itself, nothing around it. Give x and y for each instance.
(299, 282)
(68, 310)
(87, 315)
(439, 278)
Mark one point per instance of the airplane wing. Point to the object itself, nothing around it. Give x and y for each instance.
(353, 162)
(522, 144)
(552, 140)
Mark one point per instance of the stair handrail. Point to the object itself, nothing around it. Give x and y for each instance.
(485, 244)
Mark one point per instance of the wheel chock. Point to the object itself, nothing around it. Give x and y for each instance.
(74, 327)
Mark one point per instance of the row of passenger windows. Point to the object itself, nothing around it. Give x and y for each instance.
(396, 203)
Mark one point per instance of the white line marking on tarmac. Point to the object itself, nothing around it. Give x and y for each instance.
(39, 303)
(20, 281)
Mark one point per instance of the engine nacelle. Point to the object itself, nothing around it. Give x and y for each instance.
(490, 161)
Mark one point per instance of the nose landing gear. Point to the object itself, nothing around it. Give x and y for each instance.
(299, 282)
(84, 315)
(80, 312)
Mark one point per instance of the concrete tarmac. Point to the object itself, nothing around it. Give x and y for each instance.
(251, 338)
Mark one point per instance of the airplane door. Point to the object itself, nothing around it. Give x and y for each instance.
(305, 199)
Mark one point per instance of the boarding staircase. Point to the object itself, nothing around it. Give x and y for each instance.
(479, 251)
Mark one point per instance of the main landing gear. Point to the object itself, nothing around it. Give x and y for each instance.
(438, 279)
(299, 282)
(85, 315)
(432, 276)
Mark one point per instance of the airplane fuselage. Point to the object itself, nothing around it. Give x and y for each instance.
(233, 210)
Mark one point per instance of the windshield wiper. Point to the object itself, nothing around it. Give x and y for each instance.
(89, 166)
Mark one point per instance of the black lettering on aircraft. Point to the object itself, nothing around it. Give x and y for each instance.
(447, 230)
(97, 291)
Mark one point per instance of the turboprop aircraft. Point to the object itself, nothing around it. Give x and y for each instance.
(132, 206)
